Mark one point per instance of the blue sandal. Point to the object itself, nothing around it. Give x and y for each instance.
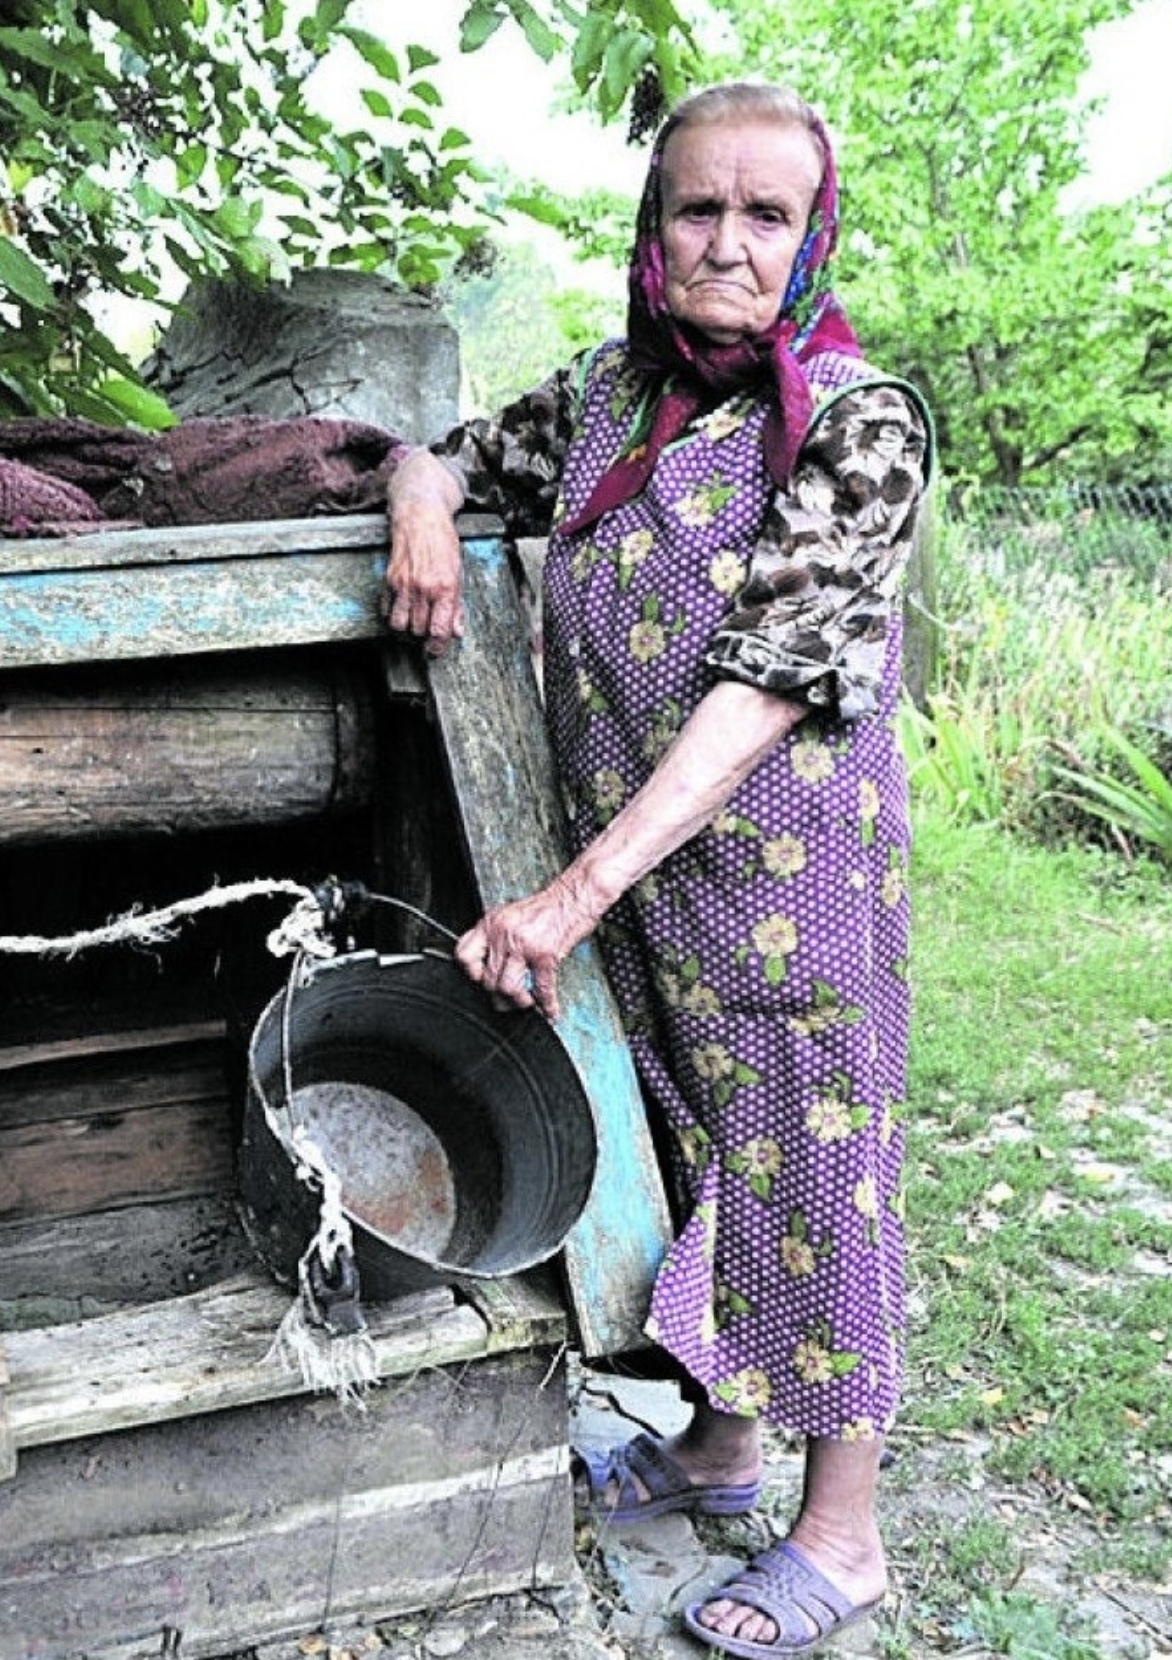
(649, 1482)
(788, 1589)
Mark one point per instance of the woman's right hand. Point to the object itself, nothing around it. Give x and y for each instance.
(424, 574)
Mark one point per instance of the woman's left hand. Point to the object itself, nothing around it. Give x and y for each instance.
(515, 950)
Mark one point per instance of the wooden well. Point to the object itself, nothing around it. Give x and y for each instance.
(179, 710)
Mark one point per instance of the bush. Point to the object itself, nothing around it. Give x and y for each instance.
(1055, 669)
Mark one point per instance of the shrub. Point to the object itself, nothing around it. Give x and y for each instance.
(1054, 681)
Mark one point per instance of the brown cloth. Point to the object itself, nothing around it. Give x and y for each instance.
(61, 476)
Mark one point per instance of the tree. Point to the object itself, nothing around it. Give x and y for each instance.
(1040, 333)
(140, 133)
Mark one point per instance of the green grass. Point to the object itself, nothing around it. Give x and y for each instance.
(1039, 1147)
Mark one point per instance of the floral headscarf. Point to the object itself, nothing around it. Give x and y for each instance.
(695, 372)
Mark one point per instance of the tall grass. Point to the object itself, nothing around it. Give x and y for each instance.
(1051, 711)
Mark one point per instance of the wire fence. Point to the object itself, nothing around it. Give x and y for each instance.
(1079, 527)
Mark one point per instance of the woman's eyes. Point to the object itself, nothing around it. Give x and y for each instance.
(705, 213)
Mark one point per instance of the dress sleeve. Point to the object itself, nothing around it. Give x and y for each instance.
(811, 621)
(510, 464)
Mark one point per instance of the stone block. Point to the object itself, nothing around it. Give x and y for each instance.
(341, 344)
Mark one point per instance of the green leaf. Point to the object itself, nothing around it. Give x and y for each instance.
(137, 403)
(536, 31)
(419, 57)
(190, 164)
(151, 203)
(328, 14)
(92, 198)
(74, 58)
(236, 217)
(31, 112)
(478, 25)
(454, 139)
(546, 209)
(372, 51)
(23, 278)
(589, 46)
(622, 61)
(426, 93)
(297, 226)
(377, 103)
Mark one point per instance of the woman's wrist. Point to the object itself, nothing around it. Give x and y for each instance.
(421, 479)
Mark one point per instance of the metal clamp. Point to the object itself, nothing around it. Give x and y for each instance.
(333, 1294)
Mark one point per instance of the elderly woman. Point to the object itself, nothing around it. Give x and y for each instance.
(732, 492)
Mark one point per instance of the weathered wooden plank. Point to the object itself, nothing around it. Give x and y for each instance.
(506, 797)
(7, 1439)
(191, 544)
(174, 610)
(203, 1353)
(87, 1045)
(64, 1080)
(53, 1271)
(126, 595)
(521, 1309)
(288, 1518)
(74, 1165)
(172, 748)
(199, 544)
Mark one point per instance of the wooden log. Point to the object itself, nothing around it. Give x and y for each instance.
(57, 1270)
(285, 1518)
(181, 747)
(77, 1165)
(507, 800)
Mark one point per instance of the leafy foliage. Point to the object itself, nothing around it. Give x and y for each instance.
(1138, 806)
(1052, 710)
(138, 138)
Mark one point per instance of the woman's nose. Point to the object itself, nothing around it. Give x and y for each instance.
(726, 244)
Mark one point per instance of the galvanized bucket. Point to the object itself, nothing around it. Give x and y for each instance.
(462, 1136)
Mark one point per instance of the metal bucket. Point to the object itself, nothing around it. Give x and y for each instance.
(462, 1137)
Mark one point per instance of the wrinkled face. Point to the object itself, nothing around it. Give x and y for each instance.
(736, 204)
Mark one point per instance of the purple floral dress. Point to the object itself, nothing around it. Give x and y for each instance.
(761, 970)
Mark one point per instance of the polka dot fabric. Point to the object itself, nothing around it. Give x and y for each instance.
(761, 970)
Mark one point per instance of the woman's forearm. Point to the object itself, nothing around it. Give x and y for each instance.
(728, 735)
(515, 950)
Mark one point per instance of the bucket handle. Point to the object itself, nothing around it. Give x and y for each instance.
(335, 898)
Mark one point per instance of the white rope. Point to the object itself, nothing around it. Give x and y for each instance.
(344, 1365)
(137, 927)
(333, 1231)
